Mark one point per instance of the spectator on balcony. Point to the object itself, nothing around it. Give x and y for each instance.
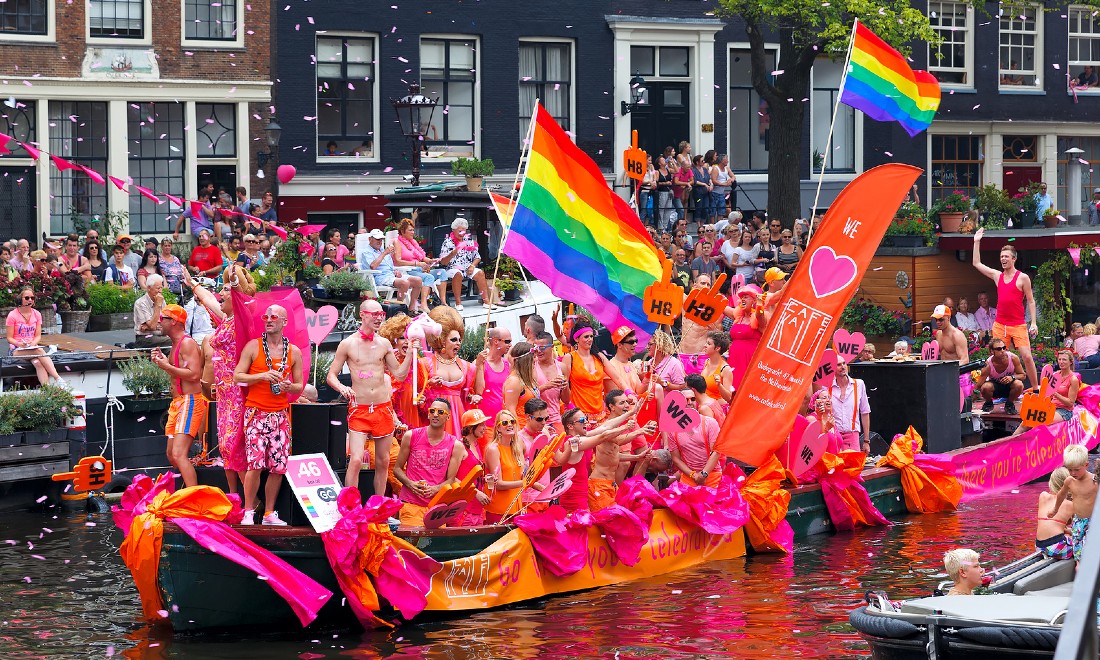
(965, 319)
(1043, 201)
(1012, 78)
(985, 315)
(1094, 208)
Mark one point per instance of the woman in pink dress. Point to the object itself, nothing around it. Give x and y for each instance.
(24, 331)
(220, 351)
(450, 378)
(748, 326)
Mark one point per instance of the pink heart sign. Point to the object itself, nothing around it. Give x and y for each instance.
(320, 323)
(1050, 375)
(444, 514)
(848, 344)
(736, 282)
(830, 273)
(930, 350)
(676, 417)
(557, 486)
(826, 370)
(806, 452)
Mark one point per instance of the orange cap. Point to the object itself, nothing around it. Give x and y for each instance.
(174, 312)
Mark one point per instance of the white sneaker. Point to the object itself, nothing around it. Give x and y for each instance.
(274, 519)
(459, 307)
(61, 382)
(249, 518)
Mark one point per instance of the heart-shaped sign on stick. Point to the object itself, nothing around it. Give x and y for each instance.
(930, 350)
(675, 416)
(802, 454)
(826, 369)
(444, 514)
(320, 323)
(557, 486)
(848, 344)
(1050, 375)
(736, 282)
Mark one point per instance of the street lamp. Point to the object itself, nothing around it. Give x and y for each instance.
(1073, 184)
(274, 132)
(414, 114)
(637, 93)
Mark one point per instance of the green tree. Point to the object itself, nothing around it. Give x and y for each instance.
(807, 29)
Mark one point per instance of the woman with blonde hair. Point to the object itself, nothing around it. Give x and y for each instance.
(24, 332)
(406, 403)
(504, 467)
(450, 377)
(520, 386)
(1051, 536)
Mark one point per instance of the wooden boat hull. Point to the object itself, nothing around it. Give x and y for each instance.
(808, 515)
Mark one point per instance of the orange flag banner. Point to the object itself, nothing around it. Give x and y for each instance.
(783, 365)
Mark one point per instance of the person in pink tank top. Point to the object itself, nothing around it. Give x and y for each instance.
(1013, 288)
(1002, 377)
(552, 383)
(491, 369)
(426, 462)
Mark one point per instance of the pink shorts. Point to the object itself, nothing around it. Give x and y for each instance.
(266, 439)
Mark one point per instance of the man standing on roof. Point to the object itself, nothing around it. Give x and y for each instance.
(1013, 288)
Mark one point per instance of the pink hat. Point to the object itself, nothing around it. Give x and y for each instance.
(749, 290)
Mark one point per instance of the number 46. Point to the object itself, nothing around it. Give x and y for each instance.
(310, 469)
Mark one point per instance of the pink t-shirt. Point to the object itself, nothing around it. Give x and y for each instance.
(695, 447)
(492, 399)
(1086, 346)
(24, 330)
(427, 463)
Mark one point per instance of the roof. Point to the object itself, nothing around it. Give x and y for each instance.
(1025, 239)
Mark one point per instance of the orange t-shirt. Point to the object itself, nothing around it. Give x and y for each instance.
(259, 395)
(586, 386)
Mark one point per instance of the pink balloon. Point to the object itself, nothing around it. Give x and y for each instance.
(286, 173)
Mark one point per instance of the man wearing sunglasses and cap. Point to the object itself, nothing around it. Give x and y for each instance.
(187, 413)
(368, 356)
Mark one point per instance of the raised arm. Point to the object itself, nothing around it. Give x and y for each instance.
(976, 257)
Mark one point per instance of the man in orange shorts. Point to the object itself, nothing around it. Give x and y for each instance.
(368, 356)
(187, 414)
(1013, 288)
(607, 455)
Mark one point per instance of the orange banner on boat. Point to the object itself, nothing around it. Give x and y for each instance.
(783, 365)
(508, 571)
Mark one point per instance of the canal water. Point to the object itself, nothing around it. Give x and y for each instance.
(64, 593)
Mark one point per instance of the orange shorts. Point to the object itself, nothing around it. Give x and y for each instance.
(373, 419)
(601, 494)
(1014, 335)
(412, 515)
(187, 414)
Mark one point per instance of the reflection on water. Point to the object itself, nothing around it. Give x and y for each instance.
(64, 593)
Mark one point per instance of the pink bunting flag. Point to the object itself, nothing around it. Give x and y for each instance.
(148, 194)
(178, 201)
(4, 139)
(63, 164)
(31, 150)
(1075, 254)
(196, 209)
(119, 183)
(1097, 251)
(306, 230)
(278, 230)
(93, 175)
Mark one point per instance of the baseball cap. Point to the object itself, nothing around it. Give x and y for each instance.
(174, 312)
(620, 334)
(749, 290)
(376, 234)
(775, 273)
(124, 237)
(1095, 190)
(472, 417)
(941, 311)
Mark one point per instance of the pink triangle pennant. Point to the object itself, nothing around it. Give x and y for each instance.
(4, 140)
(1075, 254)
(277, 229)
(31, 150)
(148, 194)
(196, 209)
(119, 183)
(63, 164)
(1097, 250)
(93, 175)
(178, 201)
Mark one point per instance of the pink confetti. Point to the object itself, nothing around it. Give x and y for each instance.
(163, 613)
(110, 650)
(41, 499)
(40, 557)
(27, 579)
(339, 423)
(888, 154)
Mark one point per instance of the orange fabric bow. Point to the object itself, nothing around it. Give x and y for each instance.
(768, 502)
(927, 482)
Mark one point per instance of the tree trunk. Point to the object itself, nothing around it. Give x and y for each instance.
(785, 161)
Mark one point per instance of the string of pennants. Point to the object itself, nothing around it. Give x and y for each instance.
(1075, 254)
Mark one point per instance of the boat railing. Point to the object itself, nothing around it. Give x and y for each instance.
(1078, 639)
(6, 360)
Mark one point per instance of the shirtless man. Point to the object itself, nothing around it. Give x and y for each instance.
(621, 369)
(607, 440)
(692, 353)
(370, 411)
(1081, 486)
(952, 341)
(187, 414)
(1013, 288)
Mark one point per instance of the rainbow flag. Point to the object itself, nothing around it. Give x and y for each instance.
(881, 84)
(577, 236)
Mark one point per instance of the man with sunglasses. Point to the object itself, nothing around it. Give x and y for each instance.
(534, 437)
(620, 367)
(426, 462)
(552, 383)
(368, 356)
(187, 412)
(271, 367)
(491, 369)
(1002, 377)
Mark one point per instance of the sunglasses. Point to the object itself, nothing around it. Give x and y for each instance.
(272, 317)
(629, 341)
(580, 420)
(507, 422)
(251, 241)
(377, 315)
(455, 340)
(435, 412)
(689, 398)
(999, 348)
(540, 419)
(506, 341)
(539, 348)
(28, 297)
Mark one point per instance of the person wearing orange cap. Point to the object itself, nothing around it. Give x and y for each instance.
(472, 451)
(953, 346)
(187, 413)
(747, 329)
(692, 349)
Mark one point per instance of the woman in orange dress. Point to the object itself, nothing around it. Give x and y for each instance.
(520, 386)
(406, 403)
(504, 466)
(587, 372)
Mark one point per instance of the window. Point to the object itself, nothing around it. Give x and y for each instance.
(842, 151)
(116, 19)
(345, 96)
(545, 70)
(956, 164)
(157, 157)
(210, 20)
(749, 120)
(1021, 54)
(1090, 172)
(666, 61)
(78, 133)
(1084, 42)
(448, 73)
(17, 120)
(24, 17)
(217, 134)
(951, 61)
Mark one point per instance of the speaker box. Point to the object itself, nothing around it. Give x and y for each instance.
(923, 394)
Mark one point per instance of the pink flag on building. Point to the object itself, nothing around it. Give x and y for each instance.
(63, 164)
(1075, 254)
(119, 183)
(31, 150)
(93, 175)
(148, 194)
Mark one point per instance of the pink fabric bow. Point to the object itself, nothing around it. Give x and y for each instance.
(719, 510)
(560, 540)
(842, 488)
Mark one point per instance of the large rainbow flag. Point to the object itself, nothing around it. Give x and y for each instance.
(881, 84)
(577, 236)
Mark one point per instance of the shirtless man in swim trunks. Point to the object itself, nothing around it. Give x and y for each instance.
(187, 414)
(370, 411)
(608, 439)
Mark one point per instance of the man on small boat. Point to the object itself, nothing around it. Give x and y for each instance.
(370, 411)
(1002, 377)
(964, 570)
(187, 413)
(426, 462)
(271, 367)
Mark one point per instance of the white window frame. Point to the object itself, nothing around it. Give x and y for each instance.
(1037, 71)
(968, 38)
(146, 29)
(754, 174)
(236, 42)
(572, 75)
(376, 112)
(477, 91)
(857, 133)
(51, 29)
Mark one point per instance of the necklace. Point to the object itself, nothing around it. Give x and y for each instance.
(276, 388)
(444, 360)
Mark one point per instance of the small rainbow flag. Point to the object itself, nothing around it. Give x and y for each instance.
(881, 84)
(577, 236)
(307, 504)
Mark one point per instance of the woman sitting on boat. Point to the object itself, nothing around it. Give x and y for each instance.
(1050, 534)
(964, 570)
(504, 467)
(1068, 383)
(473, 428)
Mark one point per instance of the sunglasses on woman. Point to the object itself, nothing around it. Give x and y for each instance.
(507, 422)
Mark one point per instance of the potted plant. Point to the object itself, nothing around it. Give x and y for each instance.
(9, 290)
(318, 372)
(949, 210)
(112, 306)
(347, 285)
(910, 227)
(997, 208)
(509, 278)
(75, 310)
(37, 416)
(474, 169)
(1026, 204)
(149, 385)
(49, 293)
(819, 161)
(1051, 218)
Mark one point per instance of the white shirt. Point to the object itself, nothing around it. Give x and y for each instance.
(844, 402)
(967, 322)
(198, 324)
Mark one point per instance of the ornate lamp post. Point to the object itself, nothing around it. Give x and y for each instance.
(414, 113)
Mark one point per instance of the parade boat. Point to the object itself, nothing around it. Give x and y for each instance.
(1021, 618)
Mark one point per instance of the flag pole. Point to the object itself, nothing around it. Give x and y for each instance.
(832, 125)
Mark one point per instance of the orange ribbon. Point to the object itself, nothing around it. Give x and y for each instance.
(926, 490)
(141, 549)
(768, 502)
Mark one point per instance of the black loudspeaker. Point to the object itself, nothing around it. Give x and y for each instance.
(321, 428)
(922, 394)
